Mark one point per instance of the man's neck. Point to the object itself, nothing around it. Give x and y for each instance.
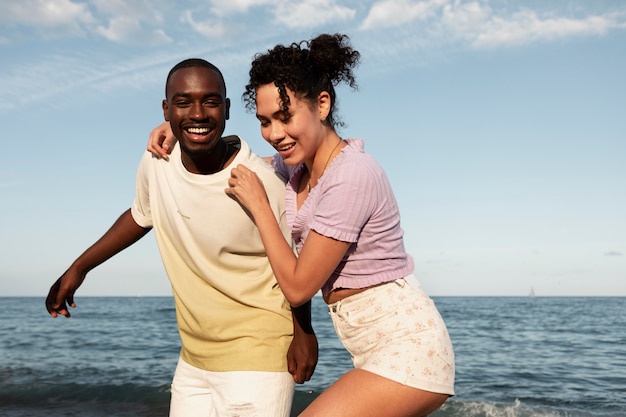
(207, 163)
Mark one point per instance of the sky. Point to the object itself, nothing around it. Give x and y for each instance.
(501, 125)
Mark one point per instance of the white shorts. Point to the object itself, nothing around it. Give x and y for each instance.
(200, 393)
(394, 330)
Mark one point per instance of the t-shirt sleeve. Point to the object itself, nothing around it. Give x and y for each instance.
(140, 210)
(347, 200)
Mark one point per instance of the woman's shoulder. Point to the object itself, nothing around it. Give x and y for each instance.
(355, 158)
(353, 168)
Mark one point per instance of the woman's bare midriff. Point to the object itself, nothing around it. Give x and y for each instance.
(341, 293)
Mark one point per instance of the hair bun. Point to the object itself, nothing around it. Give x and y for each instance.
(333, 55)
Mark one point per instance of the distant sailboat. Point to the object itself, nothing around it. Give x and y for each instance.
(532, 292)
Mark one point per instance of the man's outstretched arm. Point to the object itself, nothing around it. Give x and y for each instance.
(124, 232)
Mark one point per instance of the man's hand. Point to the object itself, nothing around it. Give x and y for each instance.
(61, 293)
(302, 353)
(302, 357)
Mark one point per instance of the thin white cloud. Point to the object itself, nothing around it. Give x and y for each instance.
(225, 8)
(211, 28)
(527, 26)
(126, 29)
(286, 14)
(465, 18)
(52, 14)
(613, 253)
(67, 73)
(437, 27)
(100, 73)
(119, 29)
(142, 10)
(479, 25)
(388, 13)
(312, 13)
(138, 21)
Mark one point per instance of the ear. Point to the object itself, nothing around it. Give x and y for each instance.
(324, 104)
(227, 109)
(165, 110)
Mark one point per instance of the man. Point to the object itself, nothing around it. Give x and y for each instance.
(235, 325)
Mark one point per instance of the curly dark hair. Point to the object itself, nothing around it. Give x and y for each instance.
(307, 68)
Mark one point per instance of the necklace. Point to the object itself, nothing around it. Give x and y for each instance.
(308, 183)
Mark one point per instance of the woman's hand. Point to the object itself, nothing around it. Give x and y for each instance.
(161, 141)
(247, 188)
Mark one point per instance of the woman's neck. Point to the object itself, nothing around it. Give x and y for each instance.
(323, 157)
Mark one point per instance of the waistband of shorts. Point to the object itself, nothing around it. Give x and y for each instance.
(411, 280)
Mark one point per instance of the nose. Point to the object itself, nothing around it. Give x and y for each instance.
(276, 132)
(196, 111)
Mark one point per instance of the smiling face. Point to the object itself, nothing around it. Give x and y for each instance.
(297, 132)
(197, 109)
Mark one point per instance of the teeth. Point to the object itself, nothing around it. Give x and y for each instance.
(284, 148)
(198, 130)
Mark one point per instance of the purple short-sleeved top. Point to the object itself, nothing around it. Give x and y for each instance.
(352, 202)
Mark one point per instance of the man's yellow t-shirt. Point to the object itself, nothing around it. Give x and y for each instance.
(231, 313)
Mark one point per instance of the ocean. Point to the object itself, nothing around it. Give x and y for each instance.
(515, 357)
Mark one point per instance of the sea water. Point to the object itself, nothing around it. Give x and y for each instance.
(515, 357)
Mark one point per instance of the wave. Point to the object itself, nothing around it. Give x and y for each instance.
(126, 400)
(457, 408)
(34, 394)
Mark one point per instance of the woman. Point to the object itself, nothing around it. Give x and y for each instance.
(346, 226)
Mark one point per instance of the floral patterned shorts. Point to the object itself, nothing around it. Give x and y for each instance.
(394, 330)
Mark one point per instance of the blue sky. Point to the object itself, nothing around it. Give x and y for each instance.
(501, 125)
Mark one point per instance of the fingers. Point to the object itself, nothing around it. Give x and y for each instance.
(298, 374)
(56, 301)
(237, 175)
(60, 307)
(168, 144)
(56, 309)
(239, 171)
(300, 365)
(51, 306)
(246, 187)
(164, 151)
(242, 175)
(51, 300)
(161, 141)
(158, 150)
(307, 372)
(70, 300)
(302, 374)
